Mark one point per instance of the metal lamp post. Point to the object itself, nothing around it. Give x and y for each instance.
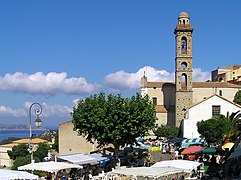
(37, 122)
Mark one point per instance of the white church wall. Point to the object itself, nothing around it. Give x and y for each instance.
(203, 111)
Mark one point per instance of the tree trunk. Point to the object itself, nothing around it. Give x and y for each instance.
(116, 155)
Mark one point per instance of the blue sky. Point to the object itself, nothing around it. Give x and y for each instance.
(56, 52)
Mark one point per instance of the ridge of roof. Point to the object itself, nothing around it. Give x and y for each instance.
(196, 84)
(213, 96)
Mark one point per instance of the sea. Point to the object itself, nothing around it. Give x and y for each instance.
(18, 133)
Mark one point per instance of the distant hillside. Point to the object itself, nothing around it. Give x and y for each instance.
(16, 127)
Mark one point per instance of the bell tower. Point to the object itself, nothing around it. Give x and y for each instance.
(183, 67)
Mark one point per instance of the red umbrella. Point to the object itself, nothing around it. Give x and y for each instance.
(191, 149)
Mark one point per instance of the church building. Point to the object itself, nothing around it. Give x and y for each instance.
(173, 100)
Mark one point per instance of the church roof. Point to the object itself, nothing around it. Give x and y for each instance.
(214, 84)
(160, 109)
(195, 84)
(217, 96)
(159, 84)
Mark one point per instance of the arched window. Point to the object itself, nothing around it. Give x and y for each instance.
(184, 82)
(184, 64)
(184, 45)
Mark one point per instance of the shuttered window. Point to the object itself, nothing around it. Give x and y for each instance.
(216, 110)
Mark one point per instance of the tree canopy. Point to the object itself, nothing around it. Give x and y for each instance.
(166, 131)
(220, 128)
(20, 150)
(21, 156)
(112, 119)
(237, 97)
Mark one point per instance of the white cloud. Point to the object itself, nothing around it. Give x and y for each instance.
(200, 76)
(51, 83)
(123, 81)
(75, 101)
(50, 110)
(9, 112)
(47, 110)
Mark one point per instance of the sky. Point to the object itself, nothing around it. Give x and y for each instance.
(58, 52)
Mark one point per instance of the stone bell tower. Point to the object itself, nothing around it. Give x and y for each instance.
(183, 67)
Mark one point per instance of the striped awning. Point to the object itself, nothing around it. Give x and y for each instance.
(188, 142)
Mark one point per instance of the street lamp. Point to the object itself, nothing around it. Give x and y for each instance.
(37, 122)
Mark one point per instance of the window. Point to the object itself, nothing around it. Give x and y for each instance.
(184, 45)
(216, 110)
(220, 93)
(154, 101)
(184, 65)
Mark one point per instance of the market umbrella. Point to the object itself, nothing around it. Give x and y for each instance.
(208, 150)
(154, 148)
(175, 140)
(191, 150)
(227, 145)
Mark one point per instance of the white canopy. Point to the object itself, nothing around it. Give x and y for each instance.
(186, 165)
(11, 174)
(78, 158)
(48, 166)
(148, 171)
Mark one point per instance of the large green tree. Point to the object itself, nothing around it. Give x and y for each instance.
(220, 128)
(237, 97)
(112, 119)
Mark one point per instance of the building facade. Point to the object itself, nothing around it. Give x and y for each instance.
(230, 74)
(72, 143)
(213, 105)
(173, 99)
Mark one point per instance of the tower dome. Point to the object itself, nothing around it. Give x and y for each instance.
(183, 18)
(183, 15)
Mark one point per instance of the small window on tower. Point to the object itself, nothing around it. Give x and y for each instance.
(184, 45)
(220, 92)
(154, 101)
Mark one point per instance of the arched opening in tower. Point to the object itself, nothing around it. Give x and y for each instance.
(184, 82)
(184, 45)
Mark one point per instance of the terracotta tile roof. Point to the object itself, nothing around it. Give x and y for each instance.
(195, 84)
(215, 84)
(26, 141)
(159, 84)
(160, 109)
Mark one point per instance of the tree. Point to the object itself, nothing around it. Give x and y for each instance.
(233, 128)
(166, 131)
(42, 151)
(113, 119)
(21, 156)
(20, 150)
(212, 129)
(220, 128)
(20, 161)
(237, 98)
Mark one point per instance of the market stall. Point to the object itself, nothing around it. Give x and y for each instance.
(49, 166)
(12, 174)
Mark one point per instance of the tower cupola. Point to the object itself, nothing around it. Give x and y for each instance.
(183, 18)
